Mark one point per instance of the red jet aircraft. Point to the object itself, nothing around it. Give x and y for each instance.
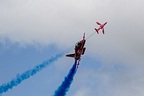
(79, 50)
(101, 26)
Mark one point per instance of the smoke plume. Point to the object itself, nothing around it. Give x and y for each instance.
(64, 87)
(27, 74)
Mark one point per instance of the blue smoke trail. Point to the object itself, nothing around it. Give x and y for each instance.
(27, 74)
(64, 87)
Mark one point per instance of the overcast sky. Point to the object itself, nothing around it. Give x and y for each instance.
(32, 31)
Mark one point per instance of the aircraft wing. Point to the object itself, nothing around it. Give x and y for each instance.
(98, 23)
(70, 55)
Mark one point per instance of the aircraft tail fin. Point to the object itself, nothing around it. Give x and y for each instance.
(84, 36)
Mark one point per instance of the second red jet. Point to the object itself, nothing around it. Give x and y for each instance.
(101, 26)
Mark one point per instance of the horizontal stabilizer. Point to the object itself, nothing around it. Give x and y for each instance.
(70, 55)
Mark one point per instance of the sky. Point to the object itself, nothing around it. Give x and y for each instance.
(32, 31)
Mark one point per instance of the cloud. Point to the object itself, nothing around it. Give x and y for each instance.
(110, 80)
(37, 20)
